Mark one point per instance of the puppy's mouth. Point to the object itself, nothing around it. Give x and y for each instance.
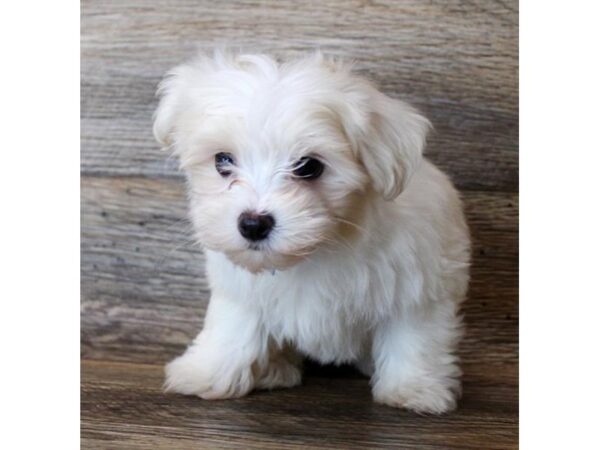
(259, 257)
(256, 246)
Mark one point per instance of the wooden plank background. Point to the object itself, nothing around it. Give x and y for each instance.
(143, 291)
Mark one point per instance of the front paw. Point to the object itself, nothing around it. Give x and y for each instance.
(207, 376)
(426, 396)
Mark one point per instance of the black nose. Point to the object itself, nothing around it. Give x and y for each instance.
(255, 227)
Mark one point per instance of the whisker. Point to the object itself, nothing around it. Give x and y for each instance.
(170, 253)
(355, 225)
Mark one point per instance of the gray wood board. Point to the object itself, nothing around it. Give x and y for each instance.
(123, 407)
(143, 288)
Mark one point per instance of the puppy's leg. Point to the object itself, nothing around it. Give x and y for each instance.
(415, 362)
(282, 369)
(219, 363)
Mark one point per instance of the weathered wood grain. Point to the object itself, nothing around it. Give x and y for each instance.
(142, 284)
(455, 60)
(123, 407)
(144, 293)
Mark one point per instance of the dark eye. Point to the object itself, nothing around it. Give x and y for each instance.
(223, 163)
(308, 168)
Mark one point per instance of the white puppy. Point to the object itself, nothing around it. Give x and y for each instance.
(326, 233)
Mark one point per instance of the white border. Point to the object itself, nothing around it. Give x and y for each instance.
(39, 247)
(559, 222)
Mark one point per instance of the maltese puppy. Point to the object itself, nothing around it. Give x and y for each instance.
(326, 233)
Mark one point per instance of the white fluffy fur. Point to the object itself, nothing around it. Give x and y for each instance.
(366, 265)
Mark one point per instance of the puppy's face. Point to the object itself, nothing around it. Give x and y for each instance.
(279, 157)
(268, 191)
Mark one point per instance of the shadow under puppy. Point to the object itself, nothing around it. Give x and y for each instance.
(326, 233)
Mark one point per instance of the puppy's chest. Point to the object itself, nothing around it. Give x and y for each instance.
(323, 325)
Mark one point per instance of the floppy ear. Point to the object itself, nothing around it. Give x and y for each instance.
(170, 91)
(390, 142)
